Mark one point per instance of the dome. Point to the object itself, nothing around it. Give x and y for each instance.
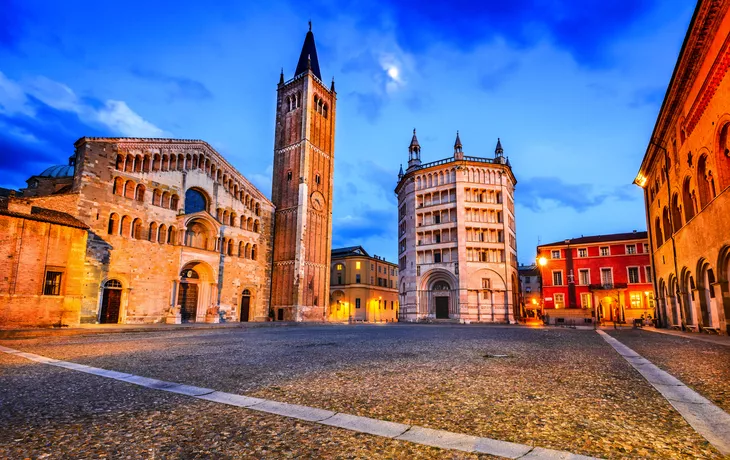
(58, 171)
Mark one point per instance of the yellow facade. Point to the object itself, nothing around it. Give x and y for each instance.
(363, 287)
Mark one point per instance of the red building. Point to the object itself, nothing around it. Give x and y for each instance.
(604, 277)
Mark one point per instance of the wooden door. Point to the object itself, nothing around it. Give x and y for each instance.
(188, 300)
(442, 307)
(110, 306)
(245, 307)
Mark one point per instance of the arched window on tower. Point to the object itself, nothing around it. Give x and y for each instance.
(658, 232)
(139, 193)
(113, 224)
(174, 201)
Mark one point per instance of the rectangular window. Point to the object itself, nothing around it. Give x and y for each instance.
(559, 300)
(527, 279)
(630, 249)
(357, 303)
(635, 299)
(436, 218)
(52, 285)
(372, 267)
(436, 257)
(557, 278)
(357, 278)
(648, 274)
(646, 247)
(582, 252)
(555, 254)
(606, 276)
(584, 277)
(392, 305)
(633, 274)
(605, 251)
(357, 265)
(339, 278)
(486, 283)
(585, 300)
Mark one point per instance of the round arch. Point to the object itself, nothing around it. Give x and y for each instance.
(196, 200)
(438, 294)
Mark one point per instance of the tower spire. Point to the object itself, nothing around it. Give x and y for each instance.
(308, 57)
(414, 152)
(498, 151)
(458, 153)
(281, 77)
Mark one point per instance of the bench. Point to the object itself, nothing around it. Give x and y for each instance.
(711, 330)
(676, 327)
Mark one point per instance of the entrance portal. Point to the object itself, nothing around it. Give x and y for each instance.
(442, 307)
(245, 305)
(110, 302)
(188, 295)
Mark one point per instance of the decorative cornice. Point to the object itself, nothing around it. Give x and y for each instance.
(709, 87)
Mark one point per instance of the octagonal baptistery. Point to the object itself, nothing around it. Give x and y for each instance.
(457, 247)
(177, 233)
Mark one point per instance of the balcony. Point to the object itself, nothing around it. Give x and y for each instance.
(607, 286)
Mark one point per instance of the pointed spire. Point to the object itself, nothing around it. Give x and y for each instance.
(332, 86)
(415, 146)
(400, 173)
(498, 151)
(457, 143)
(281, 77)
(308, 57)
(414, 152)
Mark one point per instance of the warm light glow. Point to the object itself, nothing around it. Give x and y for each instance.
(646, 293)
(357, 265)
(542, 261)
(534, 301)
(640, 180)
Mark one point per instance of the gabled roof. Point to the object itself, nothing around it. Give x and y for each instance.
(43, 215)
(350, 251)
(600, 239)
(308, 56)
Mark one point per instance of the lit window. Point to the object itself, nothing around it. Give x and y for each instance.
(555, 254)
(585, 300)
(559, 300)
(635, 299)
(339, 267)
(605, 251)
(357, 265)
(630, 249)
(52, 285)
(582, 252)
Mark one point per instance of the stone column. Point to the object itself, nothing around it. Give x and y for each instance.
(719, 289)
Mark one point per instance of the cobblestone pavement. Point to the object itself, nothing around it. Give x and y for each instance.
(562, 389)
(703, 366)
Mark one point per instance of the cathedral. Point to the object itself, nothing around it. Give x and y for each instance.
(138, 230)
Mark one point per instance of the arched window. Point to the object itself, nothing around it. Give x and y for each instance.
(667, 224)
(253, 252)
(128, 163)
(113, 223)
(156, 197)
(248, 251)
(146, 164)
(241, 249)
(139, 193)
(113, 284)
(658, 232)
(722, 158)
(162, 234)
(138, 160)
(120, 162)
(137, 229)
(156, 166)
(702, 181)
(689, 208)
(676, 213)
(256, 226)
(174, 202)
(129, 188)
(171, 235)
(257, 209)
(126, 225)
(165, 203)
(152, 233)
(119, 186)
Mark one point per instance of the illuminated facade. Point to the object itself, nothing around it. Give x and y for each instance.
(685, 175)
(363, 288)
(591, 278)
(530, 289)
(456, 238)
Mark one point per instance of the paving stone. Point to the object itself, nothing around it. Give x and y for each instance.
(310, 414)
(710, 421)
(189, 390)
(440, 438)
(366, 425)
(538, 453)
(231, 399)
(681, 393)
(500, 448)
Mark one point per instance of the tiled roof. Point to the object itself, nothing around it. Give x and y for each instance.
(600, 239)
(43, 215)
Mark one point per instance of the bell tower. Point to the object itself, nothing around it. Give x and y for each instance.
(304, 148)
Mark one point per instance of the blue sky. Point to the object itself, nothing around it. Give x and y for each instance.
(571, 87)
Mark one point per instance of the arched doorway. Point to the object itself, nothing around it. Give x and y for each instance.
(111, 300)
(188, 295)
(245, 305)
(441, 291)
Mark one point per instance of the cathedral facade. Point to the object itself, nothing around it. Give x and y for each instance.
(171, 232)
(456, 238)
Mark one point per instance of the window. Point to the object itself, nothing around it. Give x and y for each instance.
(635, 299)
(392, 304)
(338, 266)
(646, 247)
(194, 201)
(555, 254)
(630, 249)
(357, 278)
(584, 277)
(585, 300)
(437, 257)
(527, 279)
(648, 274)
(557, 278)
(606, 276)
(52, 286)
(288, 175)
(633, 275)
(582, 252)
(317, 179)
(357, 301)
(486, 283)
(605, 251)
(339, 278)
(559, 300)
(357, 265)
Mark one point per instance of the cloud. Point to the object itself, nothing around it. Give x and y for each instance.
(179, 87)
(494, 78)
(352, 229)
(40, 119)
(263, 181)
(369, 105)
(538, 192)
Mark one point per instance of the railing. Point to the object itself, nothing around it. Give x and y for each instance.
(607, 286)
